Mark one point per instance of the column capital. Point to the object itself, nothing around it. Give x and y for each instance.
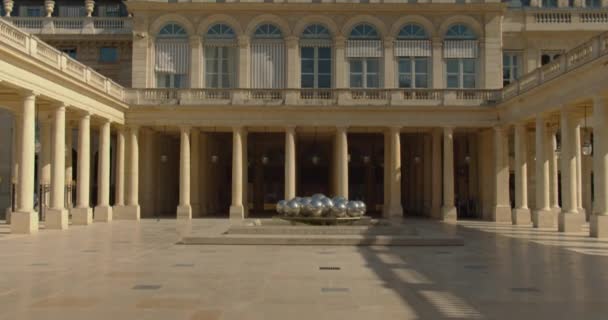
(389, 42)
(243, 41)
(341, 128)
(196, 39)
(28, 94)
(185, 128)
(290, 129)
(292, 41)
(339, 41)
(395, 129)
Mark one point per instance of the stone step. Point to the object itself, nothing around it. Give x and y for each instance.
(322, 230)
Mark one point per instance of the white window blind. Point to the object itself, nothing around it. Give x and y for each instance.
(71, 11)
(364, 48)
(320, 43)
(460, 49)
(413, 48)
(267, 64)
(172, 56)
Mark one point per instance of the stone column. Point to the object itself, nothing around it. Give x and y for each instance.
(25, 219)
(69, 179)
(389, 63)
(293, 68)
(502, 208)
(569, 219)
(57, 215)
(44, 158)
(396, 210)
(243, 66)
(448, 211)
(387, 173)
(237, 210)
(15, 154)
(184, 210)
(341, 81)
(132, 211)
(290, 163)
(437, 65)
(103, 210)
(436, 174)
(195, 162)
(579, 169)
(521, 214)
(553, 171)
(598, 223)
(342, 161)
(82, 213)
(196, 62)
(119, 202)
(542, 217)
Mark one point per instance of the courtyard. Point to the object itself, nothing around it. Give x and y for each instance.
(136, 270)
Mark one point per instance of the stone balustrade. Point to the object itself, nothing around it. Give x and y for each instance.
(73, 25)
(30, 45)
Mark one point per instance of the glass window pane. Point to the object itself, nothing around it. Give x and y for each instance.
(308, 66)
(211, 66)
(372, 65)
(421, 81)
(372, 81)
(453, 81)
(212, 81)
(468, 81)
(324, 66)
(226, 81)
(356, 66)
(405, 81)
(405, 66)
(324, 53)
(108, 54)
(308, 53)
(356, 81)
(211, 53)
(308, 81)
(225, 67)
(421, 65)
(468, 65)
(324, 81)
(452, 66)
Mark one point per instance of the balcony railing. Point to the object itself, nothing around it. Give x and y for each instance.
(333, 97)
(541, 18)
(73, 25)
(16, 39)
(593, 49)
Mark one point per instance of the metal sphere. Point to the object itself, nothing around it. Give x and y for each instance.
(318, 196)
(339, 209)
(316, 208)
(305, 203)
(352, 208)
(362, 208)
(339, 199)
(327, 205)
(293, 208)
(281, 206)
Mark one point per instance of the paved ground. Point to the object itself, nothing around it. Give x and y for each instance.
(128, 270)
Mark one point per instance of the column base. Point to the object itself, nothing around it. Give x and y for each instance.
(7, 215)
(184, 212)
(556, 210)
(501, 214)
(237, 212)
(521, 216)
(570, 221)
(57, 219)
(543, 219)
(82, 216)
(598, 226)
(583, 212)
(130, 213)
(395, 212)
(103, 214)
(24, 222)
(449, 214)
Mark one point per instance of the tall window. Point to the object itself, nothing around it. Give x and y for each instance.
(511, 66)
(220, 57)
(31, 11)
(267, 57)
(549, 3)
(364, 50)
(315, 57)
(172, 57)
(460, 50)
(413, 51)
(593, 3)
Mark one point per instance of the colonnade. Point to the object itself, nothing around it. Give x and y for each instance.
(24, 219)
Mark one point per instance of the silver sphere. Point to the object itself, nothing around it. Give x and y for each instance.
(281, 206)
(318, 196)
(362, 208)
(316, 208)
(339, 209)
(339, 199)
(293, 208)
(305, 203)
(327, 205)
(352, 208)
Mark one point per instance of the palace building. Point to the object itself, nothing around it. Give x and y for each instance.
(447, 109)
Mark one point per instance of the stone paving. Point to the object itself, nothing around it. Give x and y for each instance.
(135, 270)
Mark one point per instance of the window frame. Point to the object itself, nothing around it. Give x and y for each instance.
(461, 74)
(116, 55)
(316, 72)
(413, 74)
(220, 72)
(364, 72)
(515, 70)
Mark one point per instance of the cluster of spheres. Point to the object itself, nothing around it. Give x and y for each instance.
(319, 206)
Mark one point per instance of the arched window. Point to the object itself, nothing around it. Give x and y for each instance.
(460, 50)
(413, 52)
(267, 31)
(364, 50)
(316, 57)
(172, 52)
(267, 57)
(220, 56)
(412, 32)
